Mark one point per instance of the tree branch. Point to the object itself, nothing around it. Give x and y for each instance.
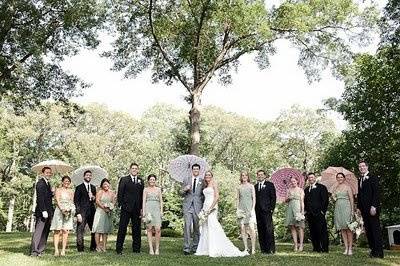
(164, 54)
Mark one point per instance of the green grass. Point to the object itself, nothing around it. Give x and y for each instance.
(14, 248)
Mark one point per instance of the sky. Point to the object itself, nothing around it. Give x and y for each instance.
(260, 94)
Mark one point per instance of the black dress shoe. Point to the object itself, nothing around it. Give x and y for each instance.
(186, 253)
(119, 252)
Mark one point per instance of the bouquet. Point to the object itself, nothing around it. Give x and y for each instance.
(299, 216)
(203, 215)
(110, 206)
(148, 218)
(66, 209)
(357, 225)
(240, 214)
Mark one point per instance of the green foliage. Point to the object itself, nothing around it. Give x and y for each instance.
(113, 140)
(34, 38)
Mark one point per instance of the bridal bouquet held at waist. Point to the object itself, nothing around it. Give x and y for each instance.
(203, 215)
(356, 225)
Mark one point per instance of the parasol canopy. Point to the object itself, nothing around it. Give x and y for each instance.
(57, 167)
(98, 174)
(281, 180)
(181, 167)
(328, 178)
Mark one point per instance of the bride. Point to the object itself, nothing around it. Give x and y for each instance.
(213, 241)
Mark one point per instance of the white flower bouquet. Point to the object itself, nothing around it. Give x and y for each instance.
(203, 215)
(299, 217)
(148, 218)
(357, 225)
(67, 209)
(110, 206)
(240, 214)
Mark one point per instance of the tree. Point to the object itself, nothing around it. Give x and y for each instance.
(34, 38)
(304, 135)
(192, 41)
(371, 105)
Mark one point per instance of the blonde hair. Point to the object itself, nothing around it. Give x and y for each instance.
(241, 177)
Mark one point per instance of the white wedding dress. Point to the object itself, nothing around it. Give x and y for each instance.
(213, 241)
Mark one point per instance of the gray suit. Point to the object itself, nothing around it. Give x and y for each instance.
(192, 205)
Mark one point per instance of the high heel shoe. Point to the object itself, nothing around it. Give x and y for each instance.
(300, 248)
(295, 248)
(345, 252)
(62, 254)
(151, 252)
(253, 251)
(56, 253)
(157, 252)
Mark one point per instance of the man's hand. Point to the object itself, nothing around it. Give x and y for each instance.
(45, 215)
(187, 188)
(79, 218)
(372, 211)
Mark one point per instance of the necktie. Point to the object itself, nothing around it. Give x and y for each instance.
(88, 188)
(194, 185)
(259, 186)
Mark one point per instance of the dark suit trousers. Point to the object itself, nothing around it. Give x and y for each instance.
(80, 232)
(373, 231)
(318, 232)
(39, 237)
(123, 224)
(265, 228)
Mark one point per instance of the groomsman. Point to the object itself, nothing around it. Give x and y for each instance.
(192, 204)
(43, 213)
(85, 199)
(316, 201)
(369, 207)
(130, 194)
(265, 206)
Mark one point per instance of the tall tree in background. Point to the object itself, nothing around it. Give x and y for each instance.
(34, 38)
(193, 41)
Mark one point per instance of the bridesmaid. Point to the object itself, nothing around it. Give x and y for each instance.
(246, 202)
(153, 212)
(295, 213)
(63, 215)
(343, 195)
(102, 222)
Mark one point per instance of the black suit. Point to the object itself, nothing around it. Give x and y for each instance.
(315, 205)
(44, 197)
(86, 208)
(130, 195)
(368, 196)
(265, 206)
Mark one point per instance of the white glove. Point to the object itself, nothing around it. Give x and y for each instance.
(45, 215)
(79, 218)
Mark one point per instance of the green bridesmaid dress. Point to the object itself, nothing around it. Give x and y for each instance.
(342, 214)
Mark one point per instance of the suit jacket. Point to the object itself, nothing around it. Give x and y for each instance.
(196, 198)
(44, 197)
(368, 194)
(83, 205)
(265, 198)
(316, 201)
(130, 195)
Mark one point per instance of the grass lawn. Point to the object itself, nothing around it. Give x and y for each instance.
(14, 248)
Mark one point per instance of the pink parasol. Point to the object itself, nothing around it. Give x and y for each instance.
(329, 178)
(281, 180)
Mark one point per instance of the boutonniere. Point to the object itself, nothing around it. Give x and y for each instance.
(263, 186)
(139, 181)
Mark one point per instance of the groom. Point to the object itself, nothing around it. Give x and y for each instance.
(192, 205)
(265, 206)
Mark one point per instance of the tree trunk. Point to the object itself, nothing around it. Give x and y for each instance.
(194, 116)
(10, 214)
